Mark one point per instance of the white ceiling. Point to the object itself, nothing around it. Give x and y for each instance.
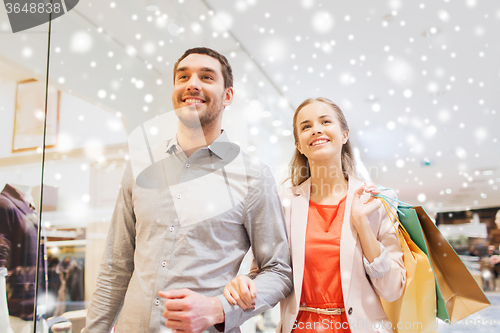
(417, 80)
(9, 72)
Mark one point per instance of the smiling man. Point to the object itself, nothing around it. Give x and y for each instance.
(171, 249)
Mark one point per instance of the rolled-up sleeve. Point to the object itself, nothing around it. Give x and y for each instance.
(389, 285)
(380, 265)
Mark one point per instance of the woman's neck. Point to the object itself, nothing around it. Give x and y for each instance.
(328, 184)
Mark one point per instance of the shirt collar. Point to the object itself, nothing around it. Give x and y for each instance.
(219, 147)
(13, 195)
(173, 145)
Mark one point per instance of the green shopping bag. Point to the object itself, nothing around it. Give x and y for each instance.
(412, 224)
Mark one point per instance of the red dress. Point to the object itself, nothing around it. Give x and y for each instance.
(321, 287)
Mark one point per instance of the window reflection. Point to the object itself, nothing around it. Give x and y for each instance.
(22, 105)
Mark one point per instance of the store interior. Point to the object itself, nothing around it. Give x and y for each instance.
(418, 83)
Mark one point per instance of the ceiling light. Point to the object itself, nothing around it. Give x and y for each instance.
(152, 5)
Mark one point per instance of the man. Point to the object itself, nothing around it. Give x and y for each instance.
(494, 234)
(494, 259)
(185, 241)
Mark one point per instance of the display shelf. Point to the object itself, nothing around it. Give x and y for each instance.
(59, 233)
(112, 152)
(76, 242)
(69, 219)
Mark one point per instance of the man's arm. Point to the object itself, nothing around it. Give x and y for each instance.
(117, 264)
(265, 224)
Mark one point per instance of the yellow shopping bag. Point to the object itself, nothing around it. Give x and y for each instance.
(415, 310)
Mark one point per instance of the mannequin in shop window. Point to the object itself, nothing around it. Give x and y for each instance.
(71, 289)
(18, 251)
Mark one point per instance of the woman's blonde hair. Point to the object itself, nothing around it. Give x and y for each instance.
(299, 165)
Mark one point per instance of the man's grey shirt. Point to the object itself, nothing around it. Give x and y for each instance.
(187, 223)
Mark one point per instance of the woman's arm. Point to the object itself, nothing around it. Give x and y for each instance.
(359, 216)
(390, 286)
(242, 290)
(383, 255)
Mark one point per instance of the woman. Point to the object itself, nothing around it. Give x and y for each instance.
(344, 248)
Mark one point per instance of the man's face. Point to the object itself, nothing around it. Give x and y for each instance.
(199, 95)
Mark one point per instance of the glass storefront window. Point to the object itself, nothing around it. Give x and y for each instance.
(104, 81)
(23, 73)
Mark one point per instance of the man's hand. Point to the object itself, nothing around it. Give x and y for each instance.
(191, 312)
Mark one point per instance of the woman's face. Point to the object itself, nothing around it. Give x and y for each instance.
(319, 132)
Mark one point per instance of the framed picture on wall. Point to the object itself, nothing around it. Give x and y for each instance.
(30, 116)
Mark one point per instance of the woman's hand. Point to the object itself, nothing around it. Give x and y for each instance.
(360, 210)
(242, 291)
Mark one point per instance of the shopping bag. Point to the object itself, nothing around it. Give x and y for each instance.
(415, 310)
(457, 292)
(409, 219)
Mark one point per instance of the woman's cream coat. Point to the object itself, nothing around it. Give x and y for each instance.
(361, 292)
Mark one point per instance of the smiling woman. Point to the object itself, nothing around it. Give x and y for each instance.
(332, 119)
(334, 223)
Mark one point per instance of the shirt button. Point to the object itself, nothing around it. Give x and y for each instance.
(157, 302)
(188, 165)
(179, 196)
(164, 263)
(350, 311)
(171, 229)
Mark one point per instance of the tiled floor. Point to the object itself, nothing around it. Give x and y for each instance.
(486, 320)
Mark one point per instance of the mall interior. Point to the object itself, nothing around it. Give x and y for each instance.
(418, 83)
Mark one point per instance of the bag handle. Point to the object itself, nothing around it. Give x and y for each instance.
(399, 202)
(393, 218)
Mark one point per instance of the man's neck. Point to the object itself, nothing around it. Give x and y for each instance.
(191, 139)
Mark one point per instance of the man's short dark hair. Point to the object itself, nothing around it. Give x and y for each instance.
(227, 72)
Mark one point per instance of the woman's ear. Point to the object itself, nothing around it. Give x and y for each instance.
(345, 137)
(298, 147)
